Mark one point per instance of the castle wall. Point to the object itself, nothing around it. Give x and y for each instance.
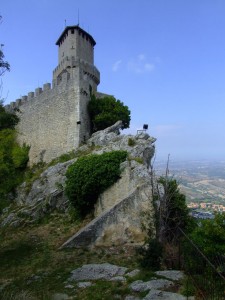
(47, 123)
(54, 121)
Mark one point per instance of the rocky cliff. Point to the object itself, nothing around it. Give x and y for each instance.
(119, 212)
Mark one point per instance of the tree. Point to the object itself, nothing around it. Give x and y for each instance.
(204, 254)
(7, 120)
(13, 158)
(4, 65)
(209, 236)
(106, 111)
(173, 211)
(171, 214)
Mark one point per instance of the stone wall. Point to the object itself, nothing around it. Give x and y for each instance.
(54, 121)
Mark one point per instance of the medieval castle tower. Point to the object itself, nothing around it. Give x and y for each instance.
(54, 120)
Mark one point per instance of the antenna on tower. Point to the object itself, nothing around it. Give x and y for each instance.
(65, 22)
(78, 17)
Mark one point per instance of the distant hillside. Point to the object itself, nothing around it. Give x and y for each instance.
(203, 182)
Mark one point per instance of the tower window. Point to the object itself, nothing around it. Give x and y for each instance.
(72, 31)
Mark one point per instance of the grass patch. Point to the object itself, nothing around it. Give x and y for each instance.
(16, 252)
(103, 290)
(144, 275)
(188, 289)
(32, 174)
(62, 158)
(137, 159)
(33, 265)
(19, 295)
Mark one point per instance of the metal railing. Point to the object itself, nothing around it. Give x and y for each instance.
(206, 274)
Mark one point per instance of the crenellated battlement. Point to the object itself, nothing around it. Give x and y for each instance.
(15, 105)
(70, 63)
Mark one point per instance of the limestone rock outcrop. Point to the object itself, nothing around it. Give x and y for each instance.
(119, 211)
(44, 196)
(97, 271)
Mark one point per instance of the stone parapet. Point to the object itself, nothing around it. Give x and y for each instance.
(13, 106)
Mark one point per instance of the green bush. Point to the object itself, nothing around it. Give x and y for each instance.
(7, 120)
(20, 156)
(13, 160)
(209, 236)
(89, 176)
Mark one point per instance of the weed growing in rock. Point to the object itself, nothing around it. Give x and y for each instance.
(131, 142)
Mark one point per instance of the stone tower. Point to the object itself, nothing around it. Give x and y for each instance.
(75, 46)
(54, 120)
(76, 63)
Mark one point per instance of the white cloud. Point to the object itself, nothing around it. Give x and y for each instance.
(149, 67)
(140, 65)
(116, 65)
(141, 57)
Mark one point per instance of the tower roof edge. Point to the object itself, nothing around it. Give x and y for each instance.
(75, 27)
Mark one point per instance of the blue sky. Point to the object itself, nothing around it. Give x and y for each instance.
(165, 59)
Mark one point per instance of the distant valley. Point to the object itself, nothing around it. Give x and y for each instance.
(203, 182)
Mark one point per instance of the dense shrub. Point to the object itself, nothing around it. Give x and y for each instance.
(89, 176)
(13, 158)
(209, 236)
(171, 213)
(7, 120)
(151, 255)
